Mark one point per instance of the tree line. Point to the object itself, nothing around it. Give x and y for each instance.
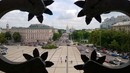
(7, 36)
(109, 39)
(79, 35)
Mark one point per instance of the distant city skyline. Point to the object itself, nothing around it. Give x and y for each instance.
(64, 13)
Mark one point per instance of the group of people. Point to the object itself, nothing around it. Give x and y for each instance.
(65, 60)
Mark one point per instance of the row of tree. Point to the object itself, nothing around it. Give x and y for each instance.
(111, 39)
(7, 36)
(79, 35)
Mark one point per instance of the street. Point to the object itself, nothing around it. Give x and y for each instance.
(57, 56)
(83, 50)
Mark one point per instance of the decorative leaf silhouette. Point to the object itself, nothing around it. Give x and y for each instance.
(30, 16)
(49, 63)
(48, 2)
(35, 52)
(27, 56)
(89, 15)
(84, 58)
(81, 13)
(79, 67)
(94, 55)
(98, 18)
(40, 18)
(88, 20)
(101, 60)
(48, 11)
(80, 3)
(44, 56)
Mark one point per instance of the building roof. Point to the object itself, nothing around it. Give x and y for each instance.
(39, 26)
(122, 23)
(34, 26)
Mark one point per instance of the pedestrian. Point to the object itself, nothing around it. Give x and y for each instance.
(66, 57)
(65, 60)
(71, 61)
(61, 59)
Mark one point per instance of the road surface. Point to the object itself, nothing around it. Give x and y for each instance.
(57, 56)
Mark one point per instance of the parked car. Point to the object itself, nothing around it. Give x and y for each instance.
(125, 57)
(116, 61)
(114, 54)
(3, 50)
(87, 51)
(99, 54)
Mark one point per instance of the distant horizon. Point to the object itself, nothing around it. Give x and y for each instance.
(37, 24)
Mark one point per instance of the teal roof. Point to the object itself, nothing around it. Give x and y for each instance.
(35, 26)
(39, 26)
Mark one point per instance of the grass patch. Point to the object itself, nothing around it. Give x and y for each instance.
(49, 46)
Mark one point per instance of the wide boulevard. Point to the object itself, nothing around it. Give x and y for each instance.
(64, 57)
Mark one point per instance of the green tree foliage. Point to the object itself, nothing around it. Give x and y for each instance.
(17, 37)
(111, 39)
(56, 36)
(49, 46)
(79, 35)
(114, 45)
(60, 32)
(8, 36)
(2, 38)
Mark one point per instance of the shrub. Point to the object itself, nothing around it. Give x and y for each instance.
(49, 46)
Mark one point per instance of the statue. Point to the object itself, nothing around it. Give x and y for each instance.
(34, 7)
(36, 64)
(94, 8)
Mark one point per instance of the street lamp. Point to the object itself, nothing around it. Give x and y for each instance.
(100, 39)
(67, 61)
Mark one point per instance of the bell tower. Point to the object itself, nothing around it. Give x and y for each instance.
(7, 27)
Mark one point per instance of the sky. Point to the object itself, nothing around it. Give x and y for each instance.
(64, 14)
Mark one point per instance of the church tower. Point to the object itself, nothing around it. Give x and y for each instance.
(67, 29)
(7, 27)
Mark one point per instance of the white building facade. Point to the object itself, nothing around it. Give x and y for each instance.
(34, 33)
(122, 26)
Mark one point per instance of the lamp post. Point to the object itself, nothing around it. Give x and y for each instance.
(100, 39)
(67, 61)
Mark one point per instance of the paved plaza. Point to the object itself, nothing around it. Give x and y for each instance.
(57, 56)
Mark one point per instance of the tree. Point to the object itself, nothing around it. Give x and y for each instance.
(114, 45)
(17, 37)
(2, 38)
(56, 36)
(8, 36)
(86, 35)
(116, 40)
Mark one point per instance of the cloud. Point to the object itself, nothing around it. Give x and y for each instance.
(68, 14)
(64, 13)
(109, 15)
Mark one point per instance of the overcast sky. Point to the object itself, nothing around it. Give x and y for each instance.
(64, 13)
